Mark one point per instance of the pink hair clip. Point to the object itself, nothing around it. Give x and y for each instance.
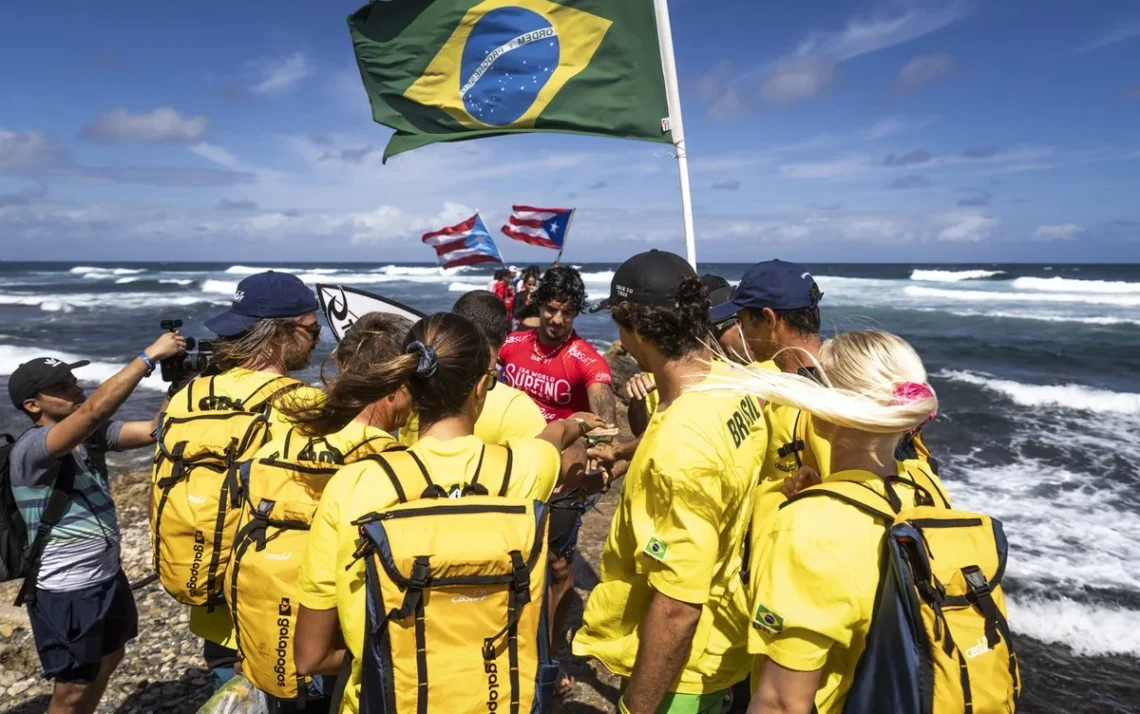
(908, 392)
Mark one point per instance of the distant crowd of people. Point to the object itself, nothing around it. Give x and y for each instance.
(403, 538)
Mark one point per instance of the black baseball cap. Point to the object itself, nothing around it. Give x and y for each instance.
(261, 296)
(36, 375)
(720, 290)
(774, 284)
(649, 278)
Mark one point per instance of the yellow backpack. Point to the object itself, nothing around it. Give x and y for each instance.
(197, 495)
(283, 490)
(939, 641)
(456, 595)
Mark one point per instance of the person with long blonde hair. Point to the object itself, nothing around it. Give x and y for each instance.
(816, 564)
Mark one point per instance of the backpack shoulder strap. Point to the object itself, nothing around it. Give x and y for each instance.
(370, 440)
(268, 392)
(853, 494)
(53, 512)
(493, 459)
(397, 464)
(798, 443)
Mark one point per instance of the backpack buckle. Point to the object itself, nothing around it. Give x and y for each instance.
(976, 581)
(794, 447)
(520, 575)
(421, 571)
(264, 508)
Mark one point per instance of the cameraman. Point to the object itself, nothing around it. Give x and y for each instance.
(79, 603)
(269, 332)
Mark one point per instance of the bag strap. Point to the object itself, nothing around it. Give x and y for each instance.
(396, 462)
(342, 676)
(798, 443)
(52, 514)
(831, 490)
(287, 384)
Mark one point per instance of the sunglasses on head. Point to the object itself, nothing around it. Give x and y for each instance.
(314, 329)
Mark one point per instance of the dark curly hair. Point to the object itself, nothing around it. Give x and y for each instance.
(675, 331)
(562, 284)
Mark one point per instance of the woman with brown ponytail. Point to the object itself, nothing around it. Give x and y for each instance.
(446, 369)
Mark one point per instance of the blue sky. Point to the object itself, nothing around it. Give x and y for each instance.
(822, 131)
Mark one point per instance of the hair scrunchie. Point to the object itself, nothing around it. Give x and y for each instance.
(428, 359)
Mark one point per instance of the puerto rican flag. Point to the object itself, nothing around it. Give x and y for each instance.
(544, 227)
(468, 243)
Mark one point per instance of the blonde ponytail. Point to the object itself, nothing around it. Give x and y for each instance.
(872, 381)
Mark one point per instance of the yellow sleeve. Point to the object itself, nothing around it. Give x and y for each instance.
(800, 603)
(537, 465)
(410, 431)
(521, 420)
(679, 542)
(316, 580)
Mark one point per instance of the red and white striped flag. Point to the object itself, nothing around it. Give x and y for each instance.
(544, 227)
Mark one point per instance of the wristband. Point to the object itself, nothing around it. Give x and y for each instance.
(148, 362)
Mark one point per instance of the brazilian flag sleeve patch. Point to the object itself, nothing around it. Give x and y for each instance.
(656, 548)
(765, 619)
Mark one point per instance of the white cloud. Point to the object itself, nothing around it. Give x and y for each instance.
(389, 222)
(28, 149)
(796, 79)
(217, 154)
(863, 36)
(889, 126)
(966, 227)
(1120, 34)
(812, 66)
(838, 169)
(164, 124)
(1058, 231)
(922, 70)
(279, 74)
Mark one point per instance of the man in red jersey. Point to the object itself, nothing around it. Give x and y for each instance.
(560, 371)
(563, 374)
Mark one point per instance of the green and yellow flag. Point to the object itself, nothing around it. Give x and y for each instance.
(446, 70)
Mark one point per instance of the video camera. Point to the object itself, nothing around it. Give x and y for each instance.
(194, 361)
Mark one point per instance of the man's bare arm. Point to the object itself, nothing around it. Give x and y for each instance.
(137, 434)
(784, 691)
(106, 400)
(319, 646)
(602, 402)
(667, 631)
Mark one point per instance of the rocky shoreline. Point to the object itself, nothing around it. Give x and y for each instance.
(163, 670)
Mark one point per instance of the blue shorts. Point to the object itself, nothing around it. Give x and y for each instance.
(74, 630)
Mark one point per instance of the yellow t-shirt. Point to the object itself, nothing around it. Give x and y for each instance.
(815, 577)
(783, 429)
(507, 414)
(362, 488)
(653, 399)
(679, 530)
(237, 383)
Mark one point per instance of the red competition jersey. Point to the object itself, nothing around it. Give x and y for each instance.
(556, 379)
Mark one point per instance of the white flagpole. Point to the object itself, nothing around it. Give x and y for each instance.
(669, 66)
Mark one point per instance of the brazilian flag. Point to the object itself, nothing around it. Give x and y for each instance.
(446, 70)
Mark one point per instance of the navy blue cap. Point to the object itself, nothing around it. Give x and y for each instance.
(773, 284)
(260, 296)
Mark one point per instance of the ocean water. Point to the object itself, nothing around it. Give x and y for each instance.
(1037, 366)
